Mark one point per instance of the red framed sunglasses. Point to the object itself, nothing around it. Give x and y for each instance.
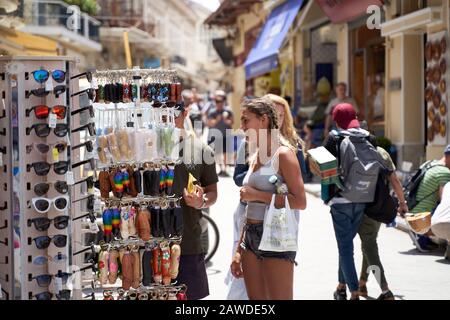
(42, 111)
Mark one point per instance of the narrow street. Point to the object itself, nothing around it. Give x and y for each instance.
(411, 275)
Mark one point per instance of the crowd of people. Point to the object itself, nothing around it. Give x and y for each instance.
(271, 167)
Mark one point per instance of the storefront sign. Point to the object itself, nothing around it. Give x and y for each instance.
(345, 10)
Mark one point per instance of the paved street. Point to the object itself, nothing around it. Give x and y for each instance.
(411, 275)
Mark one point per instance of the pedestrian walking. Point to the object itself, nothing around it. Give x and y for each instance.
(348, 203)
(267, 274)
(341, 97)
(220, 118)
(236, 286)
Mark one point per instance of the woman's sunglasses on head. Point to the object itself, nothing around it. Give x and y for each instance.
(41, 92)
(42, 111)
(42, 76)
(43, 129)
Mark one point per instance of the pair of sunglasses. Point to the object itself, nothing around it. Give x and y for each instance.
(44, 148)
(90, 108)
(90, 127)
(42, 111)
(42, 168)
(42, 76)
(42, 224)
(42, 188)
(88, 144)
(43, 242)
(44, 280)
(62, 295)
(42, 205)
(90, 93)
(87, 74)
(42, 260)
(43, 129)
(41, 92)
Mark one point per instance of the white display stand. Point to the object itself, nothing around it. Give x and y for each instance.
(17, 184)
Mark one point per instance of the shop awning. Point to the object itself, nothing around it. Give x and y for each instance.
(16, 42)
(340, 11)
(264, 56)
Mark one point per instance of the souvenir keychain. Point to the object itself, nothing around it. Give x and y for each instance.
(116, 222)
(147, 268)
(127, 270)
(175, 252)
(107, 224)
(132, 222)
(165, 263)
(124, 219)
(170, 175)
(136, 268)
(157, 276)
(113, 266)
(103, 266)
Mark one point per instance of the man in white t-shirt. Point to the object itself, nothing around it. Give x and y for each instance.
(341, 97)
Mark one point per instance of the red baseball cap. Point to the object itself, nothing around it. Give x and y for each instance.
(345, 116)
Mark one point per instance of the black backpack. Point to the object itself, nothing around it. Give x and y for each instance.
(412, 185)
(384, 206)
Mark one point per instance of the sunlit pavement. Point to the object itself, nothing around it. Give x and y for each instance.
(411, 275)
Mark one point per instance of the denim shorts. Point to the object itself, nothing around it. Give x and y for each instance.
(252, 239)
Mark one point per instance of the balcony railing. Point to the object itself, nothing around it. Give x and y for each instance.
(47, 13)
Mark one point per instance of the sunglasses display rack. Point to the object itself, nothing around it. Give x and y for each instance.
(6, 217)
(136, 153)
(38, 175)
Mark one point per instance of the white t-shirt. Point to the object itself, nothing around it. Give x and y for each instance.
(442, 212)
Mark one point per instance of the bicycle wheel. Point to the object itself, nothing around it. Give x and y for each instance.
(210, 245)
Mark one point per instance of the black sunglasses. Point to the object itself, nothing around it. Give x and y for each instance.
(90, 201)
(90, 92)
(90, 108)
(43, 223)
(43, 129)
(42, 168)
(44, 148)
(90, 161)
(43, 242)
(88, 144)
(87, 74)
(90, 127)
(62, 295)
(41, 92)
(89, 181)
(42, 188)
(44, 280)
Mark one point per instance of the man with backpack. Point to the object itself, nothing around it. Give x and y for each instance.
(359, 166)
(424, 192)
